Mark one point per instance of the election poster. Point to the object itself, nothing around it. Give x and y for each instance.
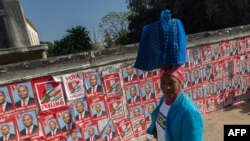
(6, 101)
(9, 129)
(112, 85)
(23, 96)
(125, 129)
(50, 94)
(115, 108)
(74, 87)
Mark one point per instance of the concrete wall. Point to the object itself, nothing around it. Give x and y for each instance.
(80, 61)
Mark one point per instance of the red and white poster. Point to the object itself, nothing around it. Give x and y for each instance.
(217, 69)
(219, 101)
(93, 84)
(6, 101)
(91, 132)
(206, 54)
(147, 91)
(129, 74)
(98, 108)
(233, 48)
(225, 52)
(139, 125)
(66, 121)
(125, 129)
(115, 108)
(49, 93)
(50, 127)
(216, 52)
(8, 129)
(148, 110)
(236, 66)
(157, 88)
(23, 96)
(28, 125)
(112, 85)
(247, 44)
(227, 67)
(133, 94)
(110, 133)
(241, 43)
(198, 93)
(228, 98)
(74, 86)
(200, 105)
(209, 105)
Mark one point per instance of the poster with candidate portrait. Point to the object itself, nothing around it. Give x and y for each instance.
(208, 90)
(236, 66)
(91, 132)
(218, 87)
(125, 129)
(115, 108)
(74, 87)
(81, 110)
(188, 92)
(208, 74)
(225, 51)
(218, 70)
(148, 110)
(145, 75)
(237, 96)
(241, 43)
(227, 67)
(244, 84)
(136, 111)
(129, 74)
(28, 125)
(8, 128)
(206, 54)
(6, 101)
(109, 132)
(227, 84)
(147, 91)
(112, 85)
(216, 52)
(243, 67)
(247, 44)
(50, 127)
(194, 57)
(196, 77)
(209, 105)
(98, 109)
(198, 93)
(219, 102)
(74, 135)
(133, 94)
(187, 80)
(93, 84)
(66, 120)
(157, 88)
(50, 94)
(23, 96)
(236, 82)
(233, 47)
(200, 105)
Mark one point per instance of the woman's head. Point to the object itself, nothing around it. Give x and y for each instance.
(171, 79)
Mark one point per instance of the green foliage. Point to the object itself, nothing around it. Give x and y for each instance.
(76, 40)
(114, 27)
(196, 15)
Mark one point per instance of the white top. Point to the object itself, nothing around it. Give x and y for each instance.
(161, 121)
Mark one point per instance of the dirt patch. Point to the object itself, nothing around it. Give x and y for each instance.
(214, 122)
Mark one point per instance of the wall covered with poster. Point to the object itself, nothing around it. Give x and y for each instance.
(115, 101)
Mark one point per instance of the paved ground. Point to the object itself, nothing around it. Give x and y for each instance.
(238, 114)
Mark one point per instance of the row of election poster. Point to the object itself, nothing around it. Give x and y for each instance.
(115, 102)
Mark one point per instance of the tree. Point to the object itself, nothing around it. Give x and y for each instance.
(115, 24)
(196, 15)
(76, 40)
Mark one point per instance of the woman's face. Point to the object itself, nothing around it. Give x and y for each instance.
(170, 85)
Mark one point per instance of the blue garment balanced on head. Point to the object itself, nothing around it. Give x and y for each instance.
(163, 43)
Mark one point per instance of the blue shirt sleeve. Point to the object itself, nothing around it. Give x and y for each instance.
(192, 126)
